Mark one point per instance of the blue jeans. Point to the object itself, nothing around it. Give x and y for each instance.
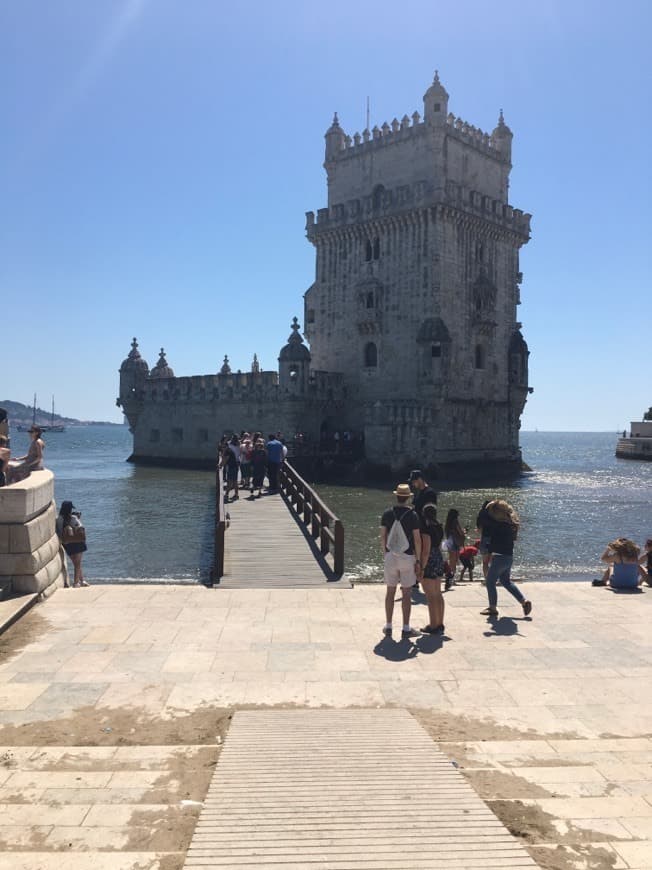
(499, 569)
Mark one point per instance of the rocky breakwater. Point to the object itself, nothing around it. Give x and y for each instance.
(31, 559)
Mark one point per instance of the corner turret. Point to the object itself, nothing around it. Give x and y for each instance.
(294, 362)
(435, 103)
(134, 371)
(501, 138)
(335, 140)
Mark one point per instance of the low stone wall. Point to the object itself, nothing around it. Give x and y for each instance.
(31, 559)
(634, 448)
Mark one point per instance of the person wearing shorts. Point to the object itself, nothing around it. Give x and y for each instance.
(432, 536)
(400, 568)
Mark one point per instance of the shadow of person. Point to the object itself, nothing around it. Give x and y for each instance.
(418, 597)
(430, 643)
(505, 626)
(395, 651)
(618, 590)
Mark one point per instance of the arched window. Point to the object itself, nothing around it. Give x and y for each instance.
(368, 254)
(435, 350)
(376, 248)
(479, 356)
(370, 355)
(370, 299)
(377, 197)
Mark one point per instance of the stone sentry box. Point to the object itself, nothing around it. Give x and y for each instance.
(31, 559)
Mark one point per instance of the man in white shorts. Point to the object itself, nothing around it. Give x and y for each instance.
(401, 546)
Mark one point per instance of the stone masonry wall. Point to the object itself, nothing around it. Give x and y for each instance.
(31, 559)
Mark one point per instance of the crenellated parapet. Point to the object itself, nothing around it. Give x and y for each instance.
(410, 127)
(405, 198)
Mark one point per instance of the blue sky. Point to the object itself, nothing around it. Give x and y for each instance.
(157, 159)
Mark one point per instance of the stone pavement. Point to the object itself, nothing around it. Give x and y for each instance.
(114, 701)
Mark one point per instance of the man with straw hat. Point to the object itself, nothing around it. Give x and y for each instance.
(401, 547)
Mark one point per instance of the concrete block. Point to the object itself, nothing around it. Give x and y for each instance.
(22, 501)
(30, 562)
(28, 537)
(51, 573)
(4, 539)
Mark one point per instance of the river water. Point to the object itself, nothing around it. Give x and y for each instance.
(152, 523)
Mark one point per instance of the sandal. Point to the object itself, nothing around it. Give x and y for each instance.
(527, 607)
(489, 611)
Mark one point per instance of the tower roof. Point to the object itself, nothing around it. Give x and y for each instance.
(436, 88)
(295, 350)
(501, 129)
(161, 369)
(134, 361)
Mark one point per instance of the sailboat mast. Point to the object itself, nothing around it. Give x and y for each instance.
(34, 412)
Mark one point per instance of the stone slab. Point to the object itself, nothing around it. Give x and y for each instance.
(21, 502)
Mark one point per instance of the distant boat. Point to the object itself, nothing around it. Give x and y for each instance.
(44, 427)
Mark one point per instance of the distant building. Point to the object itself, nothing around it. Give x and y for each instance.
(412, 317)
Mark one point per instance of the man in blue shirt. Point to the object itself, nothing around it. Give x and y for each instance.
(274, 460)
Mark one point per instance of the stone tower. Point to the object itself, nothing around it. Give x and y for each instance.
(417, 286)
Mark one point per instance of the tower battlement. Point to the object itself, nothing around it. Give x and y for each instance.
(409, 127)
(428, 147)
(405, 198)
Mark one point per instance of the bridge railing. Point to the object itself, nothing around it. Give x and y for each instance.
(317, 518)
(217, 570)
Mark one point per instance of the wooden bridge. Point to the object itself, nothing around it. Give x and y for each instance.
(285, 539)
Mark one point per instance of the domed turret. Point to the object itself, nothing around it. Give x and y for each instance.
(435, 102)
(502, 136)
(294, 362)
(134, 371)
(335, 139)
(134, 362)
(162, 369)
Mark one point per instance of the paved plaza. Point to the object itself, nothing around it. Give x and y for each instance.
(115, 703)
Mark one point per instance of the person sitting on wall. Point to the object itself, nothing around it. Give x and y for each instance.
(32, 460)
(5, 453)
(622, 557)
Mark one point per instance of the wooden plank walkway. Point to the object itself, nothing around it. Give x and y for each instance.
(265, 547)
(345, 790)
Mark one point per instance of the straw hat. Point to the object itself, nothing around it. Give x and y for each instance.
(403, 490)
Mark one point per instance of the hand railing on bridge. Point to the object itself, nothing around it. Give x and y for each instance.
(318, 520)
(217, 571)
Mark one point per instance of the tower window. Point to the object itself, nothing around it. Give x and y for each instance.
(368, 252)
(310, 318)
(370, 299)
(376, 248)
(479, 356)
(437, 107)
(436, 350)
(371, 355)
